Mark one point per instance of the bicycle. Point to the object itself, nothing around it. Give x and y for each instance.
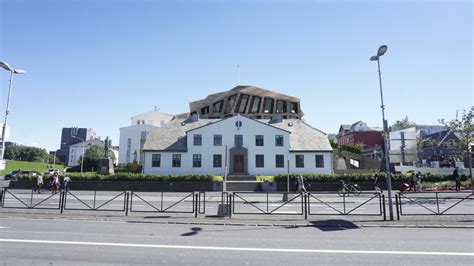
(348, 189)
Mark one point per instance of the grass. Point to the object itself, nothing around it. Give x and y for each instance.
(33, 166)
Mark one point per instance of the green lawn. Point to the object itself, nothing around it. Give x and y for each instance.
(34, 166)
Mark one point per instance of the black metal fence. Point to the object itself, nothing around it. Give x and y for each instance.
(434, 203)
(242, 203)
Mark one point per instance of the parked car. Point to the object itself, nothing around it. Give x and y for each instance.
(52, 171)
(13, 174)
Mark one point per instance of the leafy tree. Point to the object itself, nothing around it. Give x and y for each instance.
(465, 128)
(25, 153)
(92, 157)
(402, 124)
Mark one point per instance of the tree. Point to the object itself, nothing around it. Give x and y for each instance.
(402, 124)
(464, 127)
(93, 155)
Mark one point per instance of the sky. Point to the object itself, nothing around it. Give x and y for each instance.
(95, 64)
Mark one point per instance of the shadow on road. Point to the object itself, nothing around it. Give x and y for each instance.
(334, 225)
(194, 231)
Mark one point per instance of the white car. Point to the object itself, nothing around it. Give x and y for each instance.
(52, 171)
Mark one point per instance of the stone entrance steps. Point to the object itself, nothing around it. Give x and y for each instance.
(241, 178)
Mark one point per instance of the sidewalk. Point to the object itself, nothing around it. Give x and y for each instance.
(339, 221)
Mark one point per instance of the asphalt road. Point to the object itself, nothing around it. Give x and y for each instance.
(73, 242)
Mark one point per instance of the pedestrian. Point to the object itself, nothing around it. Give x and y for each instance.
(55, 183)
(300, 181)
(419, 178)
(66, 182)
(376, 178)
(412, 182)
(457, 179)
(39, 183)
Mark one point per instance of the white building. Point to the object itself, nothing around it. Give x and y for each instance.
(238, 145)
(132, 138)
(78, 149)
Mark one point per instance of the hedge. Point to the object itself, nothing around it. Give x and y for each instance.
(128, 177)
(365, 177)
(89, 176)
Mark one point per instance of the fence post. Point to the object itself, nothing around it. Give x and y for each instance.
(127, 199)
(61, 200)
(384, 211)
(195, 205)
(344, 201)
(305, 206)
(31, 199)
(437, 203)
(396, 203)
(229, 202)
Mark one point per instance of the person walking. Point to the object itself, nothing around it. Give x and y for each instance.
(412, 182)
(66, 182)
(457, 179)
(376, 178)
(300, 181)
(55, 183)
(39, 183)
(419, 178)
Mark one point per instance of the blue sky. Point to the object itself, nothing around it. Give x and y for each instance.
(97, 63)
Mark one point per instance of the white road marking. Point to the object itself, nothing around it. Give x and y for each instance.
(3, 227)
(375, 252)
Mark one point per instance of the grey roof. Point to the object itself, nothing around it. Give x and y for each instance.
(172, 136)
(304, 137)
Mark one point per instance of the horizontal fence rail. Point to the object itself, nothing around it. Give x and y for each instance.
(434, 203)
(367, 203)
(90, 201)
(28, 199)
(270, 203)
(164, 202)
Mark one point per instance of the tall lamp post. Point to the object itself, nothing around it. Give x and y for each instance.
(6, 66)
(381, 52)
(83, 151)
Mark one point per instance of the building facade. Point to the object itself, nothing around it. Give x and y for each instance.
(359, 132)
(237, 145)
(251, 101)
(71, 136)
(77, 150)
(133, 137)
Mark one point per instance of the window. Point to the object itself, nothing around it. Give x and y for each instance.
(259, 140)
(279, 161)
(217, 160)
(238, 140)
(299, 161)
(129, 145)
(205, 110)
(293, 108)
(268, 106)
(197, 139)
(281, 107)
(197, 160)
(259, 161)
(242, 103)
(279, 140)
(255, 104)
(217, 107)
(156, 160)
(217, 140)
(176, 160)
(230, 104)
(319, 161)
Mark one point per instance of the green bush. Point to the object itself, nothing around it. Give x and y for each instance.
(92, 176)
(365, 177)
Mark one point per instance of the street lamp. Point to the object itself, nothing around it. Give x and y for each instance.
(83, 151)
(381, 52)
(7, 67)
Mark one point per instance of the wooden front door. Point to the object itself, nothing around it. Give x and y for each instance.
(238, 163)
